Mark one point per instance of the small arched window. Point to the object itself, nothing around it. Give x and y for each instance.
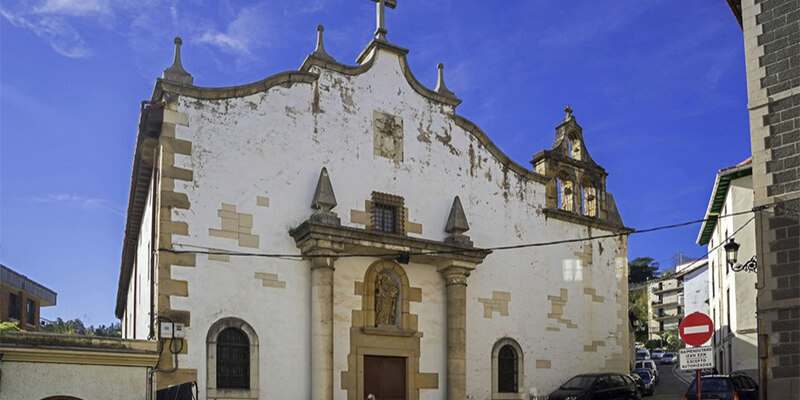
(507, 373)
(507, 370)
(566, 191)
(574, 146)
(588, 198)
(233, 360)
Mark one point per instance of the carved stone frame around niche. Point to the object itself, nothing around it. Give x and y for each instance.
(397, 341)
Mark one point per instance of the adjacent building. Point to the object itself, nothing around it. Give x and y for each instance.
(771, 36)
(326, 233)
(694, 275)
(732, 295)
(21, 299)
(665, 307)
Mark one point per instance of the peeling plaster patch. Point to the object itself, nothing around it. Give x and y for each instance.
(498, 302)
(592, 348)
(270, 280)
(262, 201)
(557, 304)
(471, 160)
(593, 292)
(505, 185)
(234, 225)
(423, 136)
(346, 94)
(445, 140)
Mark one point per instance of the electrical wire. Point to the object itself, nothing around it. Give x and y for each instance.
(211, 251)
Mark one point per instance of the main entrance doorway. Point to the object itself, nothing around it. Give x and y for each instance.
(385, 377)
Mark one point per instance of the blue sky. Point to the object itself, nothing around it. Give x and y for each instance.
(658, 86)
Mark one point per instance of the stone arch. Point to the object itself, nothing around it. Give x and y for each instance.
(368, 300)
(565, 183)
(589, 196)
(211, 359)
(502, 345)
(574, 145)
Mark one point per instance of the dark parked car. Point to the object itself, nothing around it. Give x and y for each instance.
(669, 358)
(725, 387)
(648, 380)
(598, 386)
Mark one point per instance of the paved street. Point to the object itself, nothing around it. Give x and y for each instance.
(671, 387)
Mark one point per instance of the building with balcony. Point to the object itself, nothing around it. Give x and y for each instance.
(21, 298)
(694, 275)
(665, 308)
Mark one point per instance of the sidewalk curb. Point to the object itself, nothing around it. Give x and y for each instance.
(676, 372)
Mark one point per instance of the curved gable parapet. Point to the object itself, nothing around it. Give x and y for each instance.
(227, 92)
(484, 139)
(367, 60)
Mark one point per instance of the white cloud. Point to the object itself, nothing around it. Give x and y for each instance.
(74, 7)
(80, 201)
(247, 31)
(61, 36)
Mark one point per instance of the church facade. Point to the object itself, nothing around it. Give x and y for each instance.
(340, 231)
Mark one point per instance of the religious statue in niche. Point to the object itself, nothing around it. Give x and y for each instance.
(386, 293)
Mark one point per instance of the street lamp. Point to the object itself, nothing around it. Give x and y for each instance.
(731, 252)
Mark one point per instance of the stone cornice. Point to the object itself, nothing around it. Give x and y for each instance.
(587, 221)
(215, 93)
(72, 349)
(484, 139)
(555, 155)
(309, 236)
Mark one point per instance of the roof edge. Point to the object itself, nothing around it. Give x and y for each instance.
(724, 176)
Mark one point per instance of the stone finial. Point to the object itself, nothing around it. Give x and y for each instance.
(175, 72)
(319, 51)
(457, 224)
(568, 110)
(324, 201)
(440, 86)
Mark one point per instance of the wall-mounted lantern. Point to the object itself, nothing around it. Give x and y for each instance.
(731, 253)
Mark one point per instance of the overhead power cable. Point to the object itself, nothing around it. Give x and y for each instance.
(217, 252)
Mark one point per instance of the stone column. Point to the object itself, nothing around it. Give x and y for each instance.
(455, 277)
(322, 328)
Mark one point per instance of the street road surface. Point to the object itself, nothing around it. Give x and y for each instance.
(671, 387)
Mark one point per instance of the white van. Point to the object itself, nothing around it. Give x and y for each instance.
(647, 364)
(643, 354)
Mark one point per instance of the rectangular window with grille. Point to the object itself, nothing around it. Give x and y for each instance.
(30, 313)
(387, 213)
(13, 306)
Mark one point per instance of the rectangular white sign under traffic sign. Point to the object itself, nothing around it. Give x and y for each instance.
(697, 358)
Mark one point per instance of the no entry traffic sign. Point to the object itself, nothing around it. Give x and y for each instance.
(696, 329)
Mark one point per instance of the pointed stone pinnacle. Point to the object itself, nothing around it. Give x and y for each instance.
(175, 72)
(324, 199)
(457, 221)
(440, 86)
(457, 224)
(319, 51)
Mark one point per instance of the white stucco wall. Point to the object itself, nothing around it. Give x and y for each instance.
(271, 144)
(136, 319)
(740, 285)
(28, 380)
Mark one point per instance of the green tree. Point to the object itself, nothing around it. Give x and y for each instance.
(68, 327)
(113, 330)
(640, 269)
(637, 303)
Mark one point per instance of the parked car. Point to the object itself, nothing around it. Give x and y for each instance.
(657, 353)
(724, 387)
(669, 358)
(647, 364)
(647, 378)
(598, 386)
(642, 354)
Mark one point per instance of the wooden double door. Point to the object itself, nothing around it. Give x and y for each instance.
(385, 377)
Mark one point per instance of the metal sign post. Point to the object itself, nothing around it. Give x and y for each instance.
(696, 329)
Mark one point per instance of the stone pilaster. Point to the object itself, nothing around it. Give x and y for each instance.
(322, 323)
(455, 276)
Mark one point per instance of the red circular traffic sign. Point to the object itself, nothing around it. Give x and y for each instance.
(696, 329)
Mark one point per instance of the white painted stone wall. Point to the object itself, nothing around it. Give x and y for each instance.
(695, 289)
(25, 380)
(271, 144)
(740, 285)
(136, 325)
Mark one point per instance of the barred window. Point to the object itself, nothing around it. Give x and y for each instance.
(507, 370)
(233, 360)
(387, 213)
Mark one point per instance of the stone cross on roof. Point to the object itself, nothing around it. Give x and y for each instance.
(380, 32)
(568, 110)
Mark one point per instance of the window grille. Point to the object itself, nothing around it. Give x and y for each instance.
(387, 213)
(507, 370)
(30, 312)
(233, 360)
